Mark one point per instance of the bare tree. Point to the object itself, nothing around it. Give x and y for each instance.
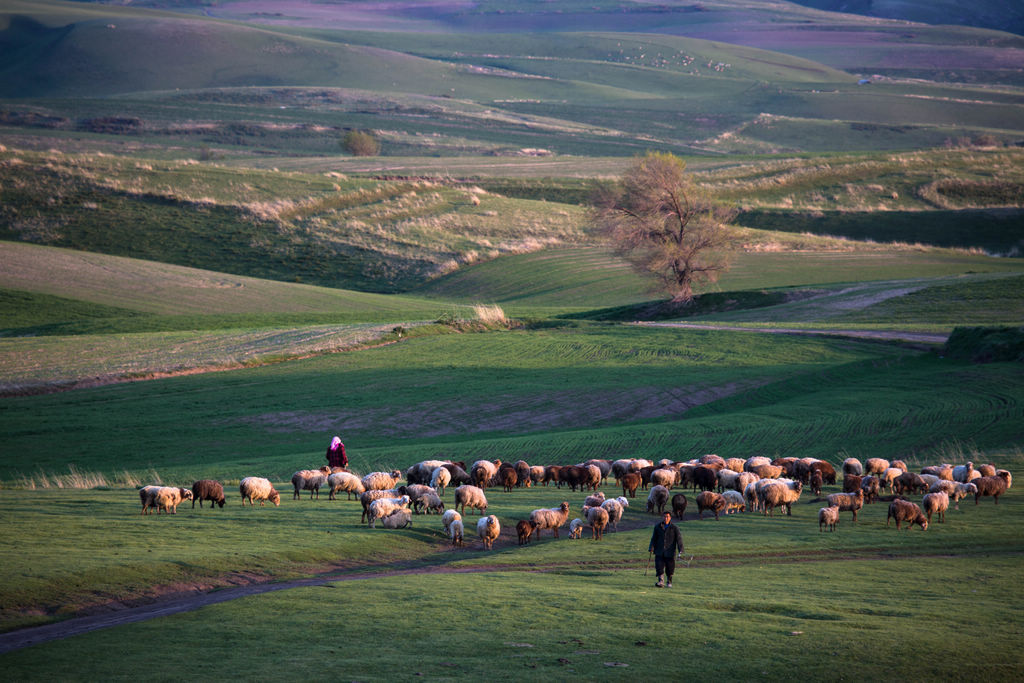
(662, 223)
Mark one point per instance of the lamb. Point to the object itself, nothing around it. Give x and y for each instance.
(168, 498)
(615, 512)
(382, 507)
(447, 519)
(366, 498)
(550, 518)
(709, 500)
(594, 500)
(308, 480)
(576, 528)
(630, 483)
(954, 490)
(470, 495)
(430, 502)
(399, 519)
(847, 501)
(905, 511)
(734, 501)
(991, 486)
(853, 466)
(525, 529)
(781, 495)
(440, 479)
(657, 498)
(380, 481)
(598, 519)
(828, 473)
(935, 503)
(208, 489)
(344, 481)
(455, 531)
(876, 466)
(258, 488)
(488, 528)
(679, 505)
(416, 493)
(828, 517)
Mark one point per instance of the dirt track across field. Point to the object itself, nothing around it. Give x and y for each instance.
(884, 335)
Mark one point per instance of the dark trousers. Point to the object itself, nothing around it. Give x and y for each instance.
(665, 565)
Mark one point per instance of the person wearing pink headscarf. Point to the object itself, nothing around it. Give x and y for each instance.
(336, 453)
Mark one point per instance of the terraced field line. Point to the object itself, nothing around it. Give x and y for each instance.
(887, 335)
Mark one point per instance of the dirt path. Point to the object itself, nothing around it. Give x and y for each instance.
(887, 335)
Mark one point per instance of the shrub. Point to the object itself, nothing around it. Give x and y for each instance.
(360, 144)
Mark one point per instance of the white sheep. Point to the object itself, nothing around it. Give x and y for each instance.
(258, 489)
(147, 496)
(664, 477)
(399, 519)
(929, 479)
(598, 519)
(344, 481)
(536, 474)
(550, 518)
(440, 479)
(853, 466)
(455, 531)
(743, 479)
(828, 517)
(470, 495)
(416, 493)
(448, 517)
(167, 498)
(963, 473)
(483, 471)
(657, 498)
(756, 461)
(488, 528)
(615, 512)
(780, 495)
(308, 480)
(935, 503)
(956, 491)
(734, 501)
(366, 498)
(379, 481)
(431, 502)
(382, 507)
(576, 528)
(889, 477)
(727, 479)
(623, 501)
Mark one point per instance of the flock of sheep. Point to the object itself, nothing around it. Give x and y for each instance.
(726, 486)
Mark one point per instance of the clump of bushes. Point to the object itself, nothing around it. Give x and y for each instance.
(986, 344)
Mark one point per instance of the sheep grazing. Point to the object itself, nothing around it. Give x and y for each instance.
(888, 478)
(440, 479)
(705, 478)
(448, 517)
(780, 495)
(853, 466)
(208, 489)
(550, 518)
(987, 470)
(828, 473)
(167, 499)
(508, 478)
(943, 471)
(935, 503)
(929, 480)
(767, 471)
(382, 507)
(899, 464)
(308, 480)
(828, 517)
(416, 493)
(615, 512)
(664, 477)
(954, 490)
(657, 499)
(604, 465)
(734, 464)
(366, 498)
(594, 500)
(727, 479)
(421, 472)
(743, 480)
(905, 511)
(537, 474)
(909, 482)
(523, 473)
(470, 495)
(524, 529)
(963, 473)
(553, 474)
(755, 461)
(679, 506)
(258, 489)
(429, 503)
(455, 531)
(458, 474)
(816, 482)
(852, 483)
(871, 487)
(847, 501)
(399, 519)
(576, 528)
(734, 502)
(598, 519)
(488, 528)
(380, 481)
(876, 466)
(709, 500)
(147, 496)
(483, 471)
(344, 481)
(991, 486)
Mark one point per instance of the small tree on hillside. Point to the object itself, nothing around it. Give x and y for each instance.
(361, 144)
(659, 221)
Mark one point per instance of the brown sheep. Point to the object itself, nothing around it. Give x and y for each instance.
(508, 478)
(987, 470)
(598, 520)
(940, 471)
(847, 501)
(767, 471)
(523, 473)
(575, 476)
(679, 505)
(852, 483)
(871, 486)
(899, 464)
(553, 473)
(525, 529)
(630, 483)
(207, 489)
(709, 500)
(705, 478)
(992, 486)
(828, 473)
(905, 511)
(876, 466)
(909, 482)
(816, 482)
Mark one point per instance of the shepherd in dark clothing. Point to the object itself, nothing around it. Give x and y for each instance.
(336, 453)
(666, 545)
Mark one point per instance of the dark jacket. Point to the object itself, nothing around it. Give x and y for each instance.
(667, 540)
(337, 458)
